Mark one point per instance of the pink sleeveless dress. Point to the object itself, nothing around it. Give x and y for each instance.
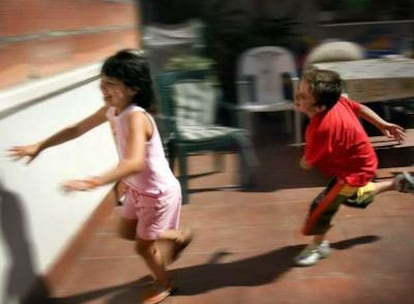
(154, 194)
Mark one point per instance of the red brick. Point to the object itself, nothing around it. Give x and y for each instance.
(60, 54)
(99, 13)
(44, 57)
(51, 15)
(22, 17)
(130, 39)
(13, 64)
(48, 56)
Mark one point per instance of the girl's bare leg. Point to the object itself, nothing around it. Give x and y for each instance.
(163, 285)
(174, 240)
(178, 240)
(149, 250)
(175, 235)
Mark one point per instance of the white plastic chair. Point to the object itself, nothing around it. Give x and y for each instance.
(261, 75)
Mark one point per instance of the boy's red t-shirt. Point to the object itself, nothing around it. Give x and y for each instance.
(337, 144)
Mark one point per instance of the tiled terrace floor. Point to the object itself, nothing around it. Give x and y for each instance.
(245, 242)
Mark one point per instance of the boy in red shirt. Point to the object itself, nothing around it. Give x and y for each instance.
(337, 144)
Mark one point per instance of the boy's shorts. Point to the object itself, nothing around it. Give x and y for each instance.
(153, 214)
(327, 203)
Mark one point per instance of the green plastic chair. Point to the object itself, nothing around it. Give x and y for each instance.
(188, 102)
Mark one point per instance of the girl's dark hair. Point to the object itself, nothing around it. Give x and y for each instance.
(131, 68)
(325, 85)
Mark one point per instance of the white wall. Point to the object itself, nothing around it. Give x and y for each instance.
(37, 218)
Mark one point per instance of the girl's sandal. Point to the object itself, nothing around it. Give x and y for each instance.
(159, 293)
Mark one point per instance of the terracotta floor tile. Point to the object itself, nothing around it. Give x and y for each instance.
(224, 295)
(108, 245)
(404, 230)
(391, 287)
(262, 237)
(207, 240)
(110, 224)
(97, 276)
(339, 289)
(245, 242)
(232, 269)
(230, 197)
(380, 225)
(394, 203)
(283, 291)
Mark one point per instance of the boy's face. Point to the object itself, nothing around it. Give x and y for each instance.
(115, 93)
(305, 101)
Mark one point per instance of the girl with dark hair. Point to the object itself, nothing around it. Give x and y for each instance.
(152, 206)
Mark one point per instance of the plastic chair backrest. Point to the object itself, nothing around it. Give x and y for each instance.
(195, 102)
(173, 82)
(264, 70)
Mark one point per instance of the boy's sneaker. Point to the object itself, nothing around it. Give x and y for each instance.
(404, 182)
(312, 254)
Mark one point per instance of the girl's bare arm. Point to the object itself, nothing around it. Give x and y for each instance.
(62, 136)
(133, 161)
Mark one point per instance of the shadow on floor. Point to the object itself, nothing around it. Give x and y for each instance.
(346, 244)
(213, 275)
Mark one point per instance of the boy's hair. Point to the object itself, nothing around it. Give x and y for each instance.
(131, 68)
(325, 85)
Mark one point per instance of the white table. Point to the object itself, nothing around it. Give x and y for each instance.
(375, 79)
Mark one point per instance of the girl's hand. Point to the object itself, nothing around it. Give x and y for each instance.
(81, 185)
(393, 131)
(30, 151)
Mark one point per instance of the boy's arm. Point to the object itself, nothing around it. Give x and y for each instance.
(60, 137)
(76, 130)
(388, 129)
(304, 164)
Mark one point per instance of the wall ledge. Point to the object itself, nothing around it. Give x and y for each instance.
(21, 96)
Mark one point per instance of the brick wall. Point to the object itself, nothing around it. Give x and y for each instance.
(40, 38)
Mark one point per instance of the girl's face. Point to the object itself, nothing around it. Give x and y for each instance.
(115, 93)
(305, 101)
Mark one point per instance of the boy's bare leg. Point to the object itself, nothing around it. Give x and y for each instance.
(384, 186)
(380, 187)
(318, 239)
(394, 184)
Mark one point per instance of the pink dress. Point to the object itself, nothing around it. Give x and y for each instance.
(154, 194)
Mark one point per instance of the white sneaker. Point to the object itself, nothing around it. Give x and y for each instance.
(404, 182)
(312, 254)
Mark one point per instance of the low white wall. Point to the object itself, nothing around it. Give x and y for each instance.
(37, 218)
